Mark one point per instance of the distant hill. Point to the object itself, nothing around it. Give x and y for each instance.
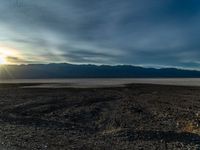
(42, 71)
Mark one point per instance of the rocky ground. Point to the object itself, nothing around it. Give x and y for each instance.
(141, 117)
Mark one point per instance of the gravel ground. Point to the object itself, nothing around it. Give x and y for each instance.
(139, 116)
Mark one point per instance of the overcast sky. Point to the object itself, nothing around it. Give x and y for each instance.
(156, 33)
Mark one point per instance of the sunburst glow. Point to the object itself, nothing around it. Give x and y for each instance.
(5, 53)
(2, 60)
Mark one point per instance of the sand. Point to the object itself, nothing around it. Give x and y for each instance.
(138, 116)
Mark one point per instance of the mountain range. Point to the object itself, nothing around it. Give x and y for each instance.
(64, 70)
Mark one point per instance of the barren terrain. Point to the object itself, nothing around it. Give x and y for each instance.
(138, 116)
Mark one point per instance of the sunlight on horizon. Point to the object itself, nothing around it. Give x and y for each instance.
(2, 60)
(6, 53)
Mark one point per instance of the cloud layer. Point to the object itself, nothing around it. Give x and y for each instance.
(138, 32)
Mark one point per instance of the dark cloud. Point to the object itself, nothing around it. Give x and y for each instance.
(82, 56)
(14, 60)
(147, 32)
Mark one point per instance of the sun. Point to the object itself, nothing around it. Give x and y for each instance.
(2, 60)
(5, 53)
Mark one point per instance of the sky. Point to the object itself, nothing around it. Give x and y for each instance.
(151, 33)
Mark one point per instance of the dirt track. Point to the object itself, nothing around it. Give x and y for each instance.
(133, 117)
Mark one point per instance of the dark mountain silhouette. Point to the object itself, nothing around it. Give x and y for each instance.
(41, 71)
